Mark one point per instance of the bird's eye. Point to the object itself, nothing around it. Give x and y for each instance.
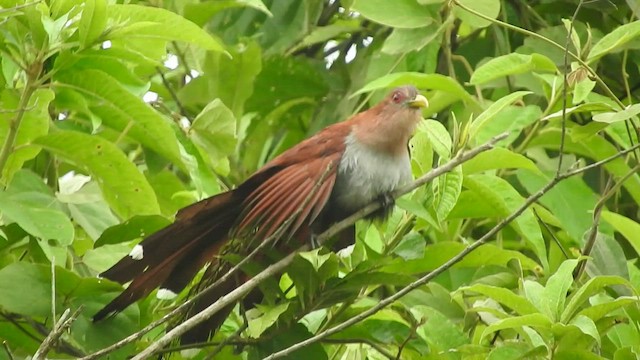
(397, 97)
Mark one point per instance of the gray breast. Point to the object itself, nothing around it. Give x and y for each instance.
(365, 174)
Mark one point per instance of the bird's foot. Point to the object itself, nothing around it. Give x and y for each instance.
(386, 200)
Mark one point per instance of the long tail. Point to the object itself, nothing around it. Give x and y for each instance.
(171, 257)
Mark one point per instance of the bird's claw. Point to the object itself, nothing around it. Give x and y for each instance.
(386, 200)
(313, 242)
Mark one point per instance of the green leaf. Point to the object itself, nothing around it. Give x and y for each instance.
(35, 122)
(85, 204)
(472, 205)
(555, 292)
(501, 195)
(625, 226)
(123, 186)
(397, 14)
(92, 22)
(269, 315)
(201, 12)
(121, 110)
(536, 320)
(612, 117)
(438, 135)
(136, 21)
(322, 34)
(511, 119)
(232, 79)
(598, 311)
(421, 81)
(614, 40)
(511, 64)
(581, 90)
(505, 297)
(596, 148)
(411, 246)
(590, 288)
(35, 300)
(498, 158)
(405, 40)
(34, 280)
(440, 332)
(490, 113)
(534, 292)
(38, 220)
(439, 253)
(582, 108)
(421, 151)
(586, 326)
(571, 201)
(446, 190)
(608, 258)
(134, 228)
(489, 8)
(214, 130)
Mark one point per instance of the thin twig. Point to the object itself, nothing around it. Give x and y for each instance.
(553, 236)
(60, 326)
(14, 123)
(593, 232)
(374, 345)
(245, 288)
(412, 333)
(565, 89)
(173, 94)
(7, 350)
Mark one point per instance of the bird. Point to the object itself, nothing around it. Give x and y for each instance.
(296, 195)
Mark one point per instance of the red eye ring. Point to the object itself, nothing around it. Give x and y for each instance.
(397, 97)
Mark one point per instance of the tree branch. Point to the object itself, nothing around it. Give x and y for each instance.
(60, 326)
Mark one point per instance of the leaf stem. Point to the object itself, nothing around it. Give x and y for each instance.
(14, 125)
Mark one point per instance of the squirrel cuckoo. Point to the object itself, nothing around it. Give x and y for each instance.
(304, 190)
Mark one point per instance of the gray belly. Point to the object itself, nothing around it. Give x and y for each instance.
(365, 174)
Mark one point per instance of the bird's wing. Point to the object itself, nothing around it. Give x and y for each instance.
(294, 196)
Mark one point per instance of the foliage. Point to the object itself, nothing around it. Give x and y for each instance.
(115, 115)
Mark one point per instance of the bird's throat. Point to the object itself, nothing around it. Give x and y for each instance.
(365, 173)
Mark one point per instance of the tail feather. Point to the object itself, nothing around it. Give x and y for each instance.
(171, 257)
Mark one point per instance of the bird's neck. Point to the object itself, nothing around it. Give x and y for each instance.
(386, 137)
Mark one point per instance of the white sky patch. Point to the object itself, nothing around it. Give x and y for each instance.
(150, 96)
(171, 62)
(165, 294)
(106, 44)
(333, 56)
(185, 123)
(71, 182)
(367, 41)
(194, 73)
(351, 54)
(137, 253)
(62, 116)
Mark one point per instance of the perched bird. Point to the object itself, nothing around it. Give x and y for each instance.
(299, 193)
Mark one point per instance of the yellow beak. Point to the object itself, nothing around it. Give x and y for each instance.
(418, 102)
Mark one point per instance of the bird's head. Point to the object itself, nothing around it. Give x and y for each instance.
(391, 123)
(405, 98)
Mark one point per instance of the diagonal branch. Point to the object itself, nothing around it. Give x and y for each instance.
(59, 328)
